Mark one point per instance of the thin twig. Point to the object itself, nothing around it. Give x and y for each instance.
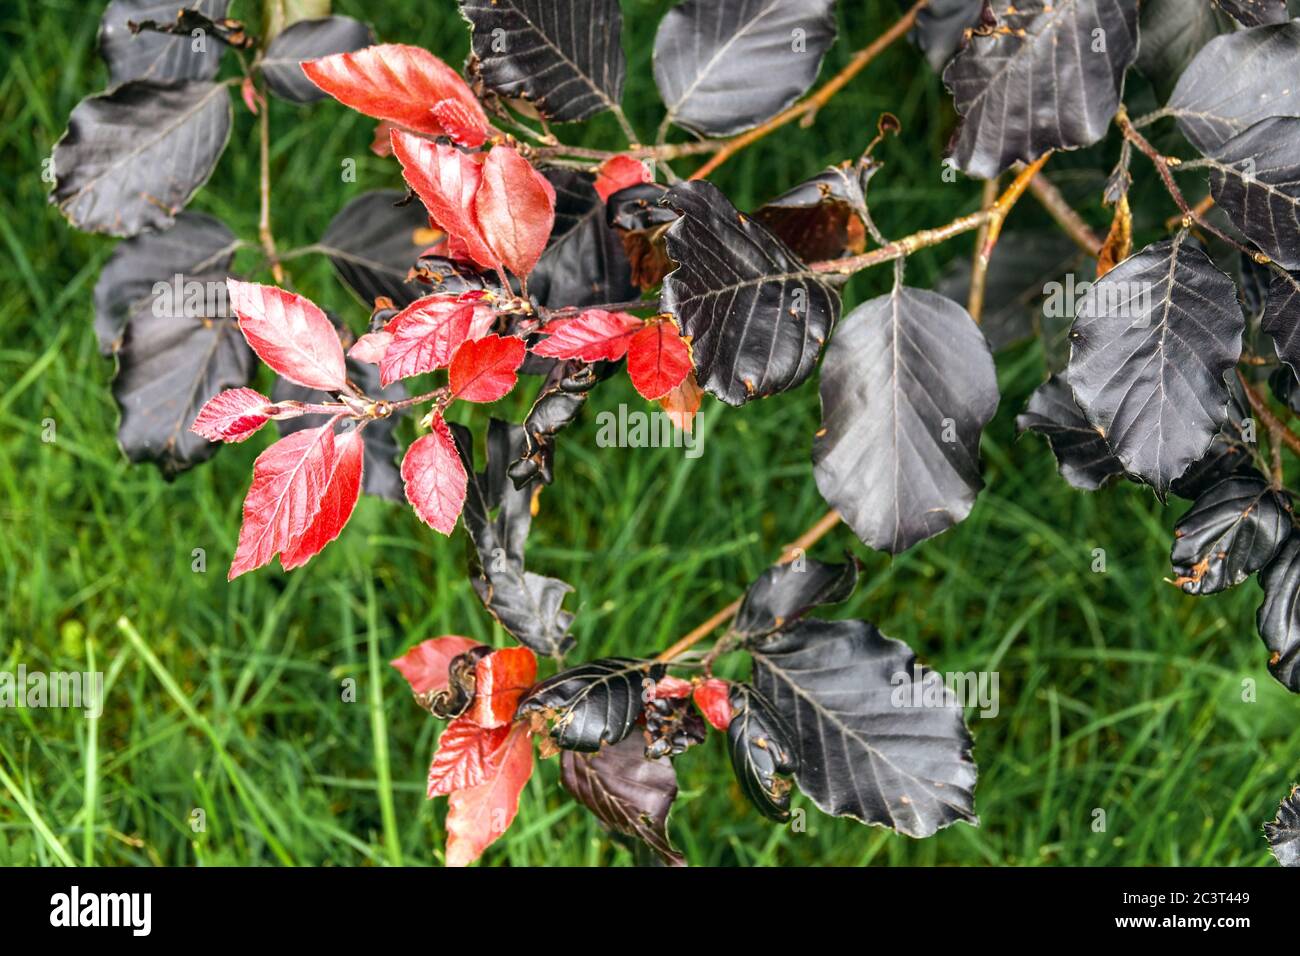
(264, 214)
(979, 270)
(900, 248)
(799, 546)
(1071, 223)
(1271, 423)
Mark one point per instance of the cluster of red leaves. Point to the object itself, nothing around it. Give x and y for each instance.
(484, 756)
(496, 212)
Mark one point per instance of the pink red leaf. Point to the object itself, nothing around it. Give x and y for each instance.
(446, 180)
(460, 123)
(234, 415)
(619, 172)
(486, 369)
(427, 333)
(477, 816)
(337, 502)
(595, 335)
(435, 478)
(382, 144)
(425, 666)
(683, 402)
(290, 334)
(658, 359)
(500, 679)
(289, 483)
(398, 83)
(370, 348)
(465, 756)
(515, 206)
(713, 699)
(668, 688)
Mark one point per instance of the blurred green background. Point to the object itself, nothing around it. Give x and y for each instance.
(1117, 691)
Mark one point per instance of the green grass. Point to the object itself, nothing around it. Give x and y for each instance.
(1117, 691)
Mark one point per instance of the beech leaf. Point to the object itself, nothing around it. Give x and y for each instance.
(594, 703)
(465, 756)
(907, 387)
(1284, 832)
(425, 335)
(724, 66)
(1278, 618)
(527, 605)
(1148, 353)
(784, 593)
(866, 748)
(425, 666)
(658, 359)
(1229, 533)
(756, 315)
(446, 180)
(628, 792)
(234, 415)
(1233, 83)
(373, 244)
(563, 56)
(486, 369)
(289, 484)
(132, 158)
(196, 245)
(515, 208)
(395, 82)
(1255, 179)
(1048, 74)
(592, 336)
(289, 333)
(434, 478)
(500, 680)
(764, 750)
(477, 816)
(150, 55)
(1084, 458)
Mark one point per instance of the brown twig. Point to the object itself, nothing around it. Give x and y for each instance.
(1164, 165)
(797, 547)
(900, 248)
(1273, 424)
(979, 271)
(806, 110)
(264, 214)
(1071, 223)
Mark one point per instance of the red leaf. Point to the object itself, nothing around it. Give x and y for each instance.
(595, 335)
(396, 82)
(339, 499)
(484, 370)
(668, 688)
(435, 478)
(459, 123)
(252, 98)
(712, 697)
(658, 359)
(500, 679)
(233, 415)
(446, 180)
(683, 402)
(289, 481)
(619, 172)
(290, 334)
(477, 816)
(370, 348)
(515, 207)
(427, 333)
(465, 756)
(425, 665)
